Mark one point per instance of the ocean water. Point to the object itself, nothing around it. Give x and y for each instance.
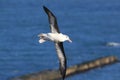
(91, 24)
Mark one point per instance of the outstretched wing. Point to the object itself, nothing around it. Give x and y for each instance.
(62, 58)
(52, 21)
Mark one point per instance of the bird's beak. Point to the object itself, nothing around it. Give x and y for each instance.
(70, 40)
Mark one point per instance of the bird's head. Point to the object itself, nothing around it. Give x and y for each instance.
(67, 38)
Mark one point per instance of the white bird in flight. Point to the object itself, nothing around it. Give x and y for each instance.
(58, 38)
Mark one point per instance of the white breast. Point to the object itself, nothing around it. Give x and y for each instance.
(56, 37)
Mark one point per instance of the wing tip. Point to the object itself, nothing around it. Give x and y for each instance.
(63, 75)
(63, 72)
(46, 9)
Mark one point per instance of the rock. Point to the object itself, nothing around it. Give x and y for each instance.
(79, 68)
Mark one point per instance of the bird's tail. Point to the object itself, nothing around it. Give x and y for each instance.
(42, 40)
(42, 37)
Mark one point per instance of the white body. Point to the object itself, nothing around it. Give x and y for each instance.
(55, 37)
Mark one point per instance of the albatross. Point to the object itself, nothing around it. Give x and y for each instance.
(58, 39)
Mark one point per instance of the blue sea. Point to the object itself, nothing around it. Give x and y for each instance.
(91, 24)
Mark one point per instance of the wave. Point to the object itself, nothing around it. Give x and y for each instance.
(114, 44)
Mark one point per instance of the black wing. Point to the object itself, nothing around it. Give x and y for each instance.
(62, 58)
(52, 21)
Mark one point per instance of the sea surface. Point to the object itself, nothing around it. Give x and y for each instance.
(91, 25)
